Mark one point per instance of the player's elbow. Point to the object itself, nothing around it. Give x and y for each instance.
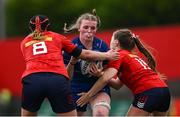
(86, 54)
(104, 80)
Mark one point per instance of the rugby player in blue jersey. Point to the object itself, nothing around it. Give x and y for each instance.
(83, 77)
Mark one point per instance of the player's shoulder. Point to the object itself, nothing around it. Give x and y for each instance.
(100, 43)
(98, 40)
(75, 40)
(55, 34)
(27, 38)
(124, 53)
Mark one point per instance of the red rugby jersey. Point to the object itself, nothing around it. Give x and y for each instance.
(135, 73)
(46, 55)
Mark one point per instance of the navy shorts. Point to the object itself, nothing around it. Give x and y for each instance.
(156, 99)
(54, 87)
(84, 87)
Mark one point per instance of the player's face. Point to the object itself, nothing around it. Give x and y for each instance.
(87, 29)
(113, 43)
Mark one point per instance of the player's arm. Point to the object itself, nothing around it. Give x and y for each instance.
(94, 55)
(102, 81)
(115, 83)
(70, 66)
(96, 69)
(88, 54)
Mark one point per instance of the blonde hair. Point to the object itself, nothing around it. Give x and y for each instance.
(87, 16)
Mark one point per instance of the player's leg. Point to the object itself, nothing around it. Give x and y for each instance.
(156, 113)
(156, 99)
(60, 96)
(80, 113)
(163, 108)
(143, 104)
(134, 111)
(70, 113)
(32, 94)
(78, 87)
(100, 104)
(25, 112)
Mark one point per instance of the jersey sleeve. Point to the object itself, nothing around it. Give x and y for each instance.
(66, 57)
(75, 53)
(71, 48)
(114, 64)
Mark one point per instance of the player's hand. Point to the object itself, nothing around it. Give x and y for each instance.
(96, 70)
(84, 99)
(73, 60)
(112, 55)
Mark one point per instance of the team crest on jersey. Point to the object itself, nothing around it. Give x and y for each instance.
(141, 101)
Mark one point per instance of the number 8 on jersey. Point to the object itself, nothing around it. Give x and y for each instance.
(39, 48)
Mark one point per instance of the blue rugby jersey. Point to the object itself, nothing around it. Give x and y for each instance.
(81, 74)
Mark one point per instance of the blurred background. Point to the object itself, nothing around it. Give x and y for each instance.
(157, 22)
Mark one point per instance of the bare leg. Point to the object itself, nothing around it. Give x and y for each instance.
(100, 104)
(79, 113)
(71, 113)
(25, 112)
(156, 113)
(133, 111)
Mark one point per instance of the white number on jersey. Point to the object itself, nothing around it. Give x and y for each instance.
(144, 64)
(39, 48)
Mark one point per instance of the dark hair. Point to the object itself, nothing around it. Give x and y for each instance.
(88, 16)
(38, 24)
(129, 41)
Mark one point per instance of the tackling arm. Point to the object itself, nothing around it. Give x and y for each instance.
(94, 55)
(102, 81)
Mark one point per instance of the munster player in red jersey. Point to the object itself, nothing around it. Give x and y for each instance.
(151, 94)
(45, 75)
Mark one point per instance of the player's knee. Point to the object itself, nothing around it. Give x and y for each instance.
(100, 112)
(101, 109)
(103, 104)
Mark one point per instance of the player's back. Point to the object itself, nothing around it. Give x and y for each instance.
(137, 75)
(43, 55)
